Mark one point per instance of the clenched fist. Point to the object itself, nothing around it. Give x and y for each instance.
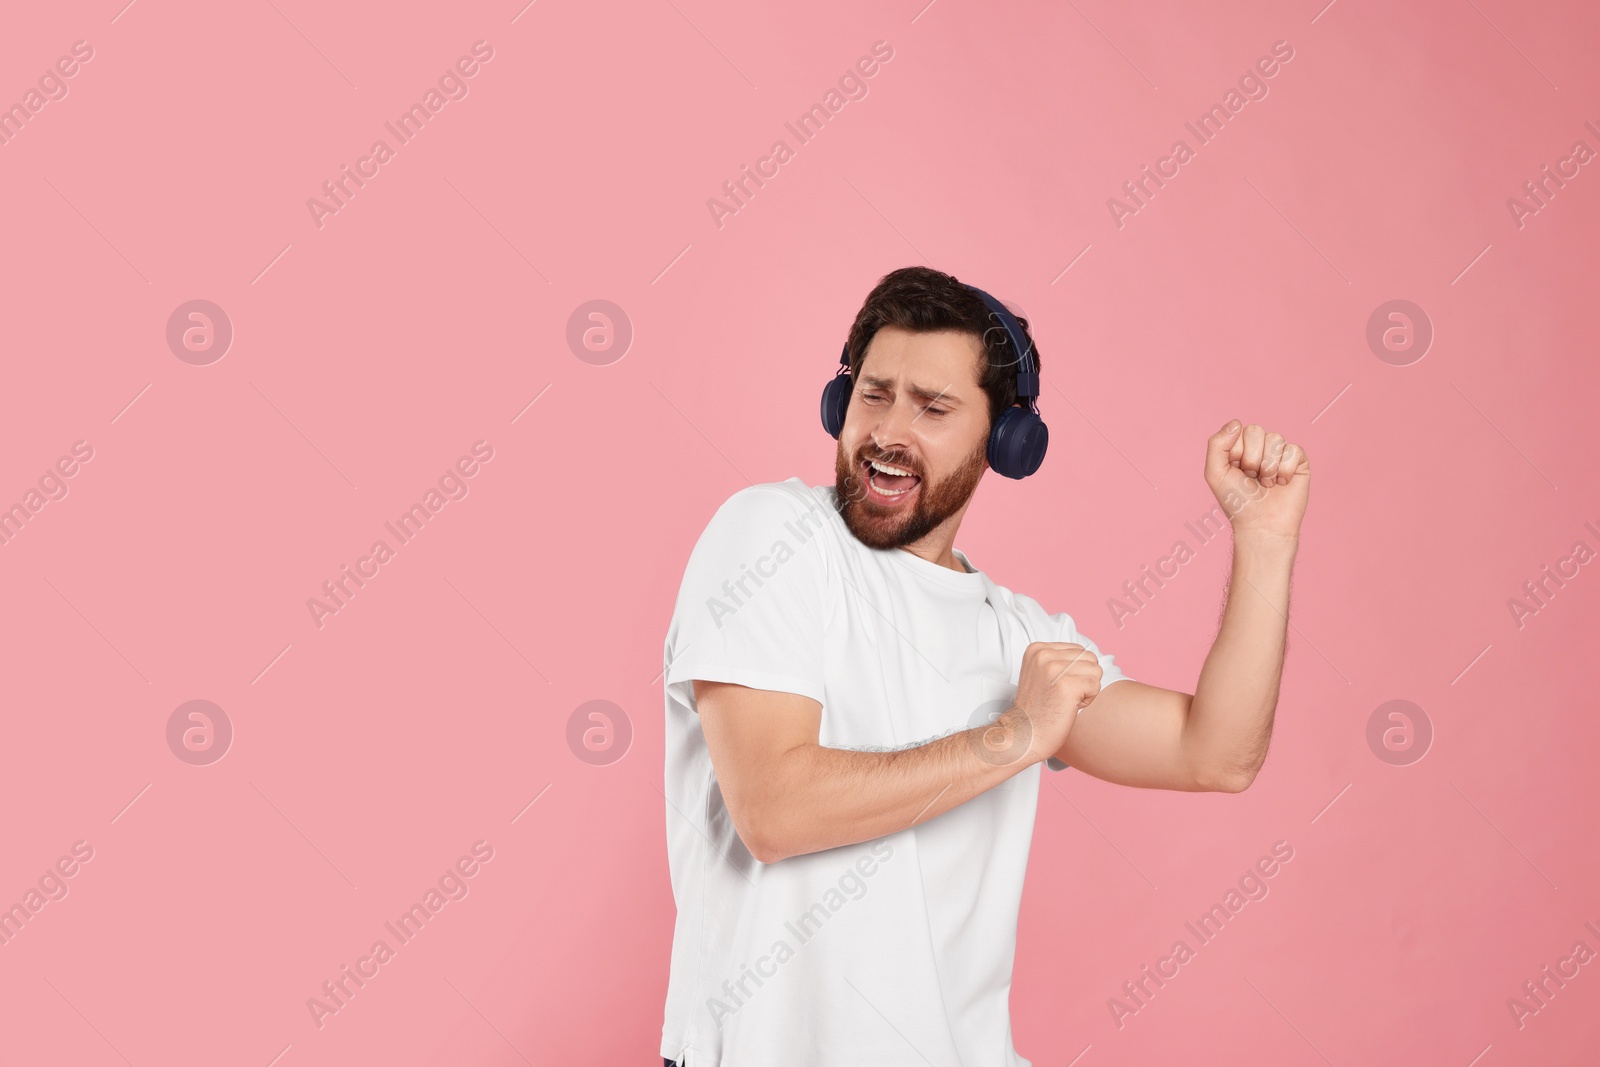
(1261, 480)
(1058, 679)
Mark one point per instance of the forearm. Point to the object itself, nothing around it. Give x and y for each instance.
(819, 798)
(1230, 718)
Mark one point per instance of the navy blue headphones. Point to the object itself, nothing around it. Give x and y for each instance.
(1017, 440)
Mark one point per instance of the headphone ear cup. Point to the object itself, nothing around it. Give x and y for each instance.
(835, 402)
(1017, 443)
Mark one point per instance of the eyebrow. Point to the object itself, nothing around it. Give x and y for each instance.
(920, 392)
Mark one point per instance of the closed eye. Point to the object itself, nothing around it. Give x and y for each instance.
(874, 398)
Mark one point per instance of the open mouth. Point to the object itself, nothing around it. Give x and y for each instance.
(887, 484)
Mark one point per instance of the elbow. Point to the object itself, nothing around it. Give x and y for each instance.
(764, 850)
(761, 848)
(767, 855)
(1236, 780)
(766, 819)
(770, 837)
(755, 833)
(1232, 772)
(1226, 779)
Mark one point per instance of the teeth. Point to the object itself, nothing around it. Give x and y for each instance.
(885, 468)
(880, 490)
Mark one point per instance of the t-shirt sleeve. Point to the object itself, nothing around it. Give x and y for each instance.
(752, 606)
(1109, 671)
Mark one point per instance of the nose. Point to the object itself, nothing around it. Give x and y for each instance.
(892, 432)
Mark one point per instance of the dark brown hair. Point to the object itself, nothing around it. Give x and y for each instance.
(925, 300)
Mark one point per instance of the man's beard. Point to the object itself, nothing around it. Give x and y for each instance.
(875, 526)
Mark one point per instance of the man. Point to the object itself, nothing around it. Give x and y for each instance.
(856, 715)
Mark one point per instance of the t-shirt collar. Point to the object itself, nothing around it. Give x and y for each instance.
(969, 581)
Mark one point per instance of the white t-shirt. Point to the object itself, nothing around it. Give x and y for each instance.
(895, 951)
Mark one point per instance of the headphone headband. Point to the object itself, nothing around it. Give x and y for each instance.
(1027, 376)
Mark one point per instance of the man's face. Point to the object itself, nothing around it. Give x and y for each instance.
(918, 407)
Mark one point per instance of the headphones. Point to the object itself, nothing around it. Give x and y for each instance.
(1018, 439)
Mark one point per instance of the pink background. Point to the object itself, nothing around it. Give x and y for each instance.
(427, 314)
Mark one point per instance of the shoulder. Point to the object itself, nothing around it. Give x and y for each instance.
(766, 536)
(777, 516)
(773, 504)
(791, 493)
(1041, 624)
